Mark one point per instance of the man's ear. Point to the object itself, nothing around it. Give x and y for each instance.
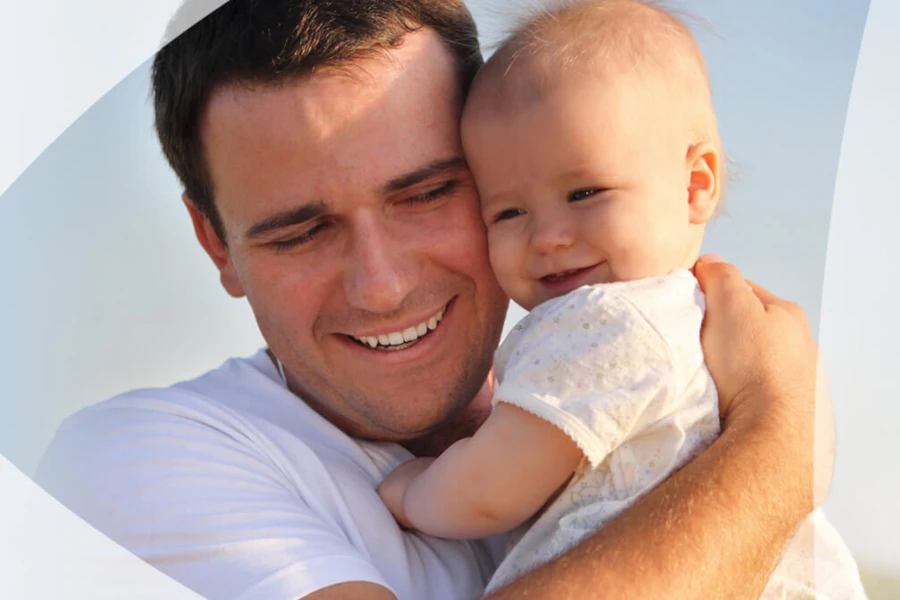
(704, 168)
(215, 247)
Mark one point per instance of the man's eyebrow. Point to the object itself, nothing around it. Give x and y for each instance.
(436, 167)
(314, 209)
(286, 219)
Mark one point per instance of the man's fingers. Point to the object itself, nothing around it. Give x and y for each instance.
(722, 283)
(797, 312)
(769, 299)
(764, 295)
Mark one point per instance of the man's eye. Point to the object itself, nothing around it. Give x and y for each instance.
(509, 213)
(582, 194)
(299, 240)
(432, 195)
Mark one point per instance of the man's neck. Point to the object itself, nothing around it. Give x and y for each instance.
(433, 443)
(464, 425)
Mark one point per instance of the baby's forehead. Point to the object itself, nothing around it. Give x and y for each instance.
(533, 84)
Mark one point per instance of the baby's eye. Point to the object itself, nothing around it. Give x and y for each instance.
(582, 194)
(509, 213)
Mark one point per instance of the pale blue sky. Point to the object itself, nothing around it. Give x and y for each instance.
(105, 289)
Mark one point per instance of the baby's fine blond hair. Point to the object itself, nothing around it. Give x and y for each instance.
(638, 37)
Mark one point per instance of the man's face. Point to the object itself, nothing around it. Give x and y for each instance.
(351, 220)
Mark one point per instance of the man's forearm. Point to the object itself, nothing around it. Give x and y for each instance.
(715, 529)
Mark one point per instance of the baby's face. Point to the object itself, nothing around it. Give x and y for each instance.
(587, 184)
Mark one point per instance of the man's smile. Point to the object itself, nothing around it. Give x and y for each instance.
(402, 338)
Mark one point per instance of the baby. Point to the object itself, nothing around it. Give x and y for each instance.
(594, 146)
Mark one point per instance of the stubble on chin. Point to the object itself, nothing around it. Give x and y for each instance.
(464, 425)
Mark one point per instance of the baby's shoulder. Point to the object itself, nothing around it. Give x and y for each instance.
(654, 297)
(660, 299)
(670, 307)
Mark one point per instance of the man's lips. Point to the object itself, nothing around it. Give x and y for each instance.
(401, 338)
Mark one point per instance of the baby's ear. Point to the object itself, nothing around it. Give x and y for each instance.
(704, 169)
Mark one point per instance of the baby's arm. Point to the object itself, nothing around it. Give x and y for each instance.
(609, 376)
(486, 484)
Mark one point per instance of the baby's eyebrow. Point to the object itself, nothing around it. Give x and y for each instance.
(504, 196)
(579, 173)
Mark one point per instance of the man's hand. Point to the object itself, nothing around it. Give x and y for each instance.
(393, 489)
(764, 360)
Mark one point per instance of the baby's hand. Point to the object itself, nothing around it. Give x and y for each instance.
(393, 489)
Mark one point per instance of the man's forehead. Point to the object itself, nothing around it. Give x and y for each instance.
(323, 103)
(341, 131)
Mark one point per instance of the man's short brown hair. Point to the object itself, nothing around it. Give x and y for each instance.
(272, 41)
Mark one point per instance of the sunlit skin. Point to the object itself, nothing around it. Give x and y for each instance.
(617, 189)
(349, 211)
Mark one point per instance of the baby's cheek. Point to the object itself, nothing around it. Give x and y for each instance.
(507, 255)
(656, 249)
(635, 247)
(501, 251)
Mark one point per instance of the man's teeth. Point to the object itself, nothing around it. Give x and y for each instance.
(397, 338)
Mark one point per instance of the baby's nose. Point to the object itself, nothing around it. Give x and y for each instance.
(552, 233)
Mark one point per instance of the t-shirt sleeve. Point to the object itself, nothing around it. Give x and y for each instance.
(198, 503)
(591, 364)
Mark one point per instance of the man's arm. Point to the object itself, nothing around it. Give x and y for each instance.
(353, 590)
(716, 528)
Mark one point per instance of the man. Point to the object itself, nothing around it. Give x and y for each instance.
(319, 148)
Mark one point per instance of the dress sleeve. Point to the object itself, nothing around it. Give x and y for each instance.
(199, 503)
(591, 364)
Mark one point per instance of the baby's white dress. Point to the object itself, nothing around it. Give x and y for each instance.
(619, 368)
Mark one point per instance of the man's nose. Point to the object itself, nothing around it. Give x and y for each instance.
(380, 272)
(552, 231)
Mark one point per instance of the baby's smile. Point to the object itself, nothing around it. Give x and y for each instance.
(563, 282)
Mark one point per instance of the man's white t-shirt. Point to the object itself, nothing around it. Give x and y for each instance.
(234, 487)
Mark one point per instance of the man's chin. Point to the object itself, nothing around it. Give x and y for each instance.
(438, 435)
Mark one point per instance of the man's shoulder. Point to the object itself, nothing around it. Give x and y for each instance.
(205, 418)
(210, 397)
(236, 416)
(237, 420)
(228, 481)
